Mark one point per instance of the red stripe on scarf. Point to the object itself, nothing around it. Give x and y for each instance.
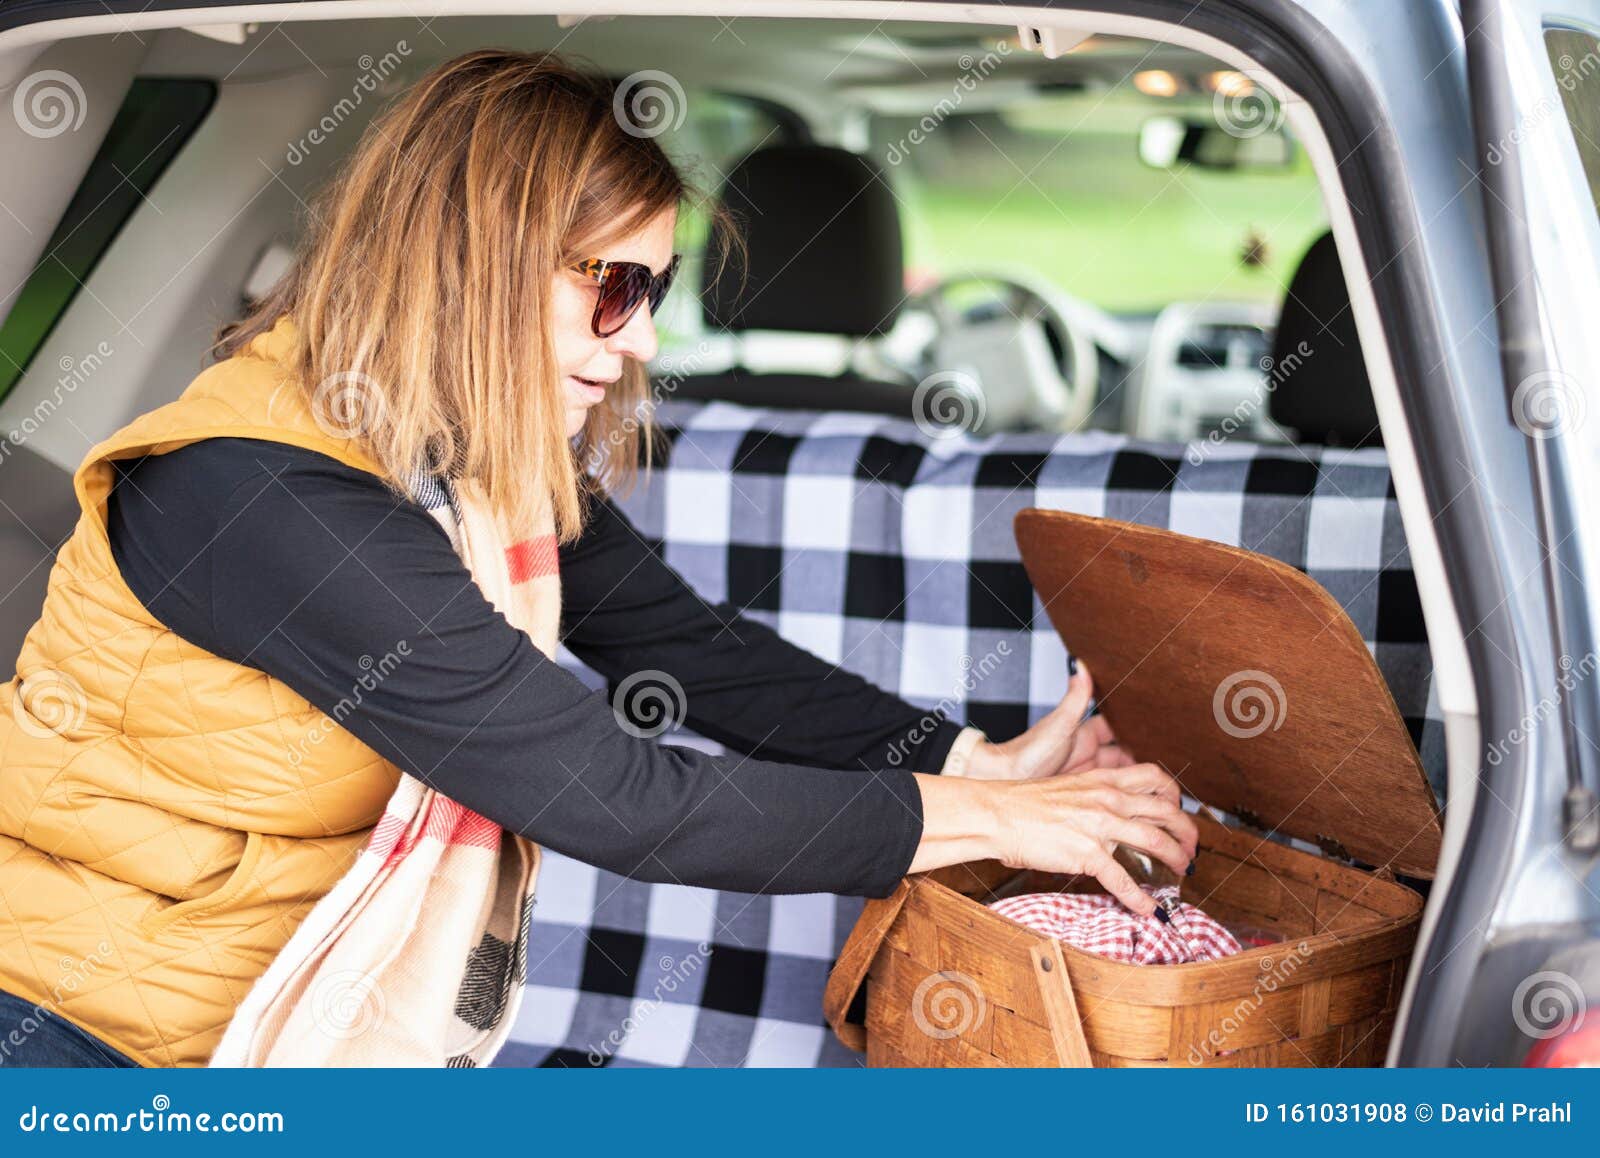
(532, 558)
(447, 822)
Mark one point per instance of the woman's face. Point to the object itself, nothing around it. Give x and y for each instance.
(579, 354)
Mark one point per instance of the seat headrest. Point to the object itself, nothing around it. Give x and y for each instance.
(822, 231)
(1322, 390)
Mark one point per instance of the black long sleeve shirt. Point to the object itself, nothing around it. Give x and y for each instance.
(288, 561)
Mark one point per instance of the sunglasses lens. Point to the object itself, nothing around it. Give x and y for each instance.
(658, 291)
(625, 287)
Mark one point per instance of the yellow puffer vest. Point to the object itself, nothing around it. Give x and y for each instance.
(157, 844)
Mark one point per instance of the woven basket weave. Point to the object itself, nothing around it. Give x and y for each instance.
(1164, 621)
(952, 983)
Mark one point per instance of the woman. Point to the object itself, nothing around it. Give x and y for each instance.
(475, 292)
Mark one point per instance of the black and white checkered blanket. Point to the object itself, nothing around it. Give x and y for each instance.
(889, 551)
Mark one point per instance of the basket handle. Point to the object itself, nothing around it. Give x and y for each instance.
(854, 959)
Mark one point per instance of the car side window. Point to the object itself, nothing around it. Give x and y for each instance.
(157, 118)
(1575, 60)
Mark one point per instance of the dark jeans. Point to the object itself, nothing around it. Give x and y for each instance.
(30, 1036)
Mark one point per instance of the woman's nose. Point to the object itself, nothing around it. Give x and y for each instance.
(637, 339)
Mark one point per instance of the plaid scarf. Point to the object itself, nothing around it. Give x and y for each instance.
(417, 956)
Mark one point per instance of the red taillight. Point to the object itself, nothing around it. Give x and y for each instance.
(1575, 1048)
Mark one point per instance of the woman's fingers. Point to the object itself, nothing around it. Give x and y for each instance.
(1154, 840)
(1149, 778)
(1115, 756)
(1099, 730)
(1116, 881)
(1057, 742)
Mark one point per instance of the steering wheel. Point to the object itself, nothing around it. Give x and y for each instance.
(1047, 385)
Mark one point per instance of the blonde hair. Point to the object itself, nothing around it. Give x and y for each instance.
(425, 277)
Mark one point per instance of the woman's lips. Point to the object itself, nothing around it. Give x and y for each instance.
(591, 390)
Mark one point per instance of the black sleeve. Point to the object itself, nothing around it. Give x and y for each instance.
(293, 564)
(624, 610)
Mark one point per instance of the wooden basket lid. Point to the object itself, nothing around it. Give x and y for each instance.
(1242, 677)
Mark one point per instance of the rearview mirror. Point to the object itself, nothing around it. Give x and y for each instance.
(1168, 141)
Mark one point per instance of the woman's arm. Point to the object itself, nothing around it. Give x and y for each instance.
(288, 562)
(625, 611)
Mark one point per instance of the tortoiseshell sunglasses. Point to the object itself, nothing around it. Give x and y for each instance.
(624, 285)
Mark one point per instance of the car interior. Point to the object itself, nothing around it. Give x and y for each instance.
(986, 237)
(1122, 237)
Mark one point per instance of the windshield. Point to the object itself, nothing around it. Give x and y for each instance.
(1054, 183)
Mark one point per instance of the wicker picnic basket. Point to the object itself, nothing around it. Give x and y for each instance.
(1246, 680)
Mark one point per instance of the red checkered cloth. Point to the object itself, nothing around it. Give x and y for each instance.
(1100, 924)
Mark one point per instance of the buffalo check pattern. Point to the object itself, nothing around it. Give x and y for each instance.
(890, 552)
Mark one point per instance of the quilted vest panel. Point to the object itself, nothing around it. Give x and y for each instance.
(165, 819)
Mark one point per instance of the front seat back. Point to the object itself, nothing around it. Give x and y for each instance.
(1321, 390)
(823, 256)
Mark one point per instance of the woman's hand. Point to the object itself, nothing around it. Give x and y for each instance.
(1061, 742)
(1072, 824)
(1060, 824)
